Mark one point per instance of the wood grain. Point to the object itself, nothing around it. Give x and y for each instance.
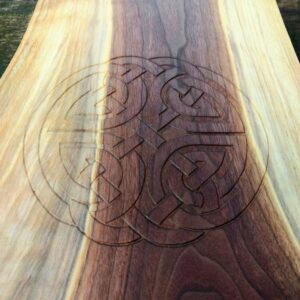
(149, 150)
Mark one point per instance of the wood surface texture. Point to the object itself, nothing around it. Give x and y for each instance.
(150, 150)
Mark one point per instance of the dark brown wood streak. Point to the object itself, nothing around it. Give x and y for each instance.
(240, 260)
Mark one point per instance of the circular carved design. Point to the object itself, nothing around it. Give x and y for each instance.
(148, 149)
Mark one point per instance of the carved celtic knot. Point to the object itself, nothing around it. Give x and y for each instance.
(145, 149)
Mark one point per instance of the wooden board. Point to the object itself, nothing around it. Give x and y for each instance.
(150, 150)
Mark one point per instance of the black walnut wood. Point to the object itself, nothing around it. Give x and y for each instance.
(151, 152)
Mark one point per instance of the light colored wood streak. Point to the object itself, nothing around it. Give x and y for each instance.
(71, 73)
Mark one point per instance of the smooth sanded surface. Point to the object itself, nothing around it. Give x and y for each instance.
(15, 15)
(149, 150)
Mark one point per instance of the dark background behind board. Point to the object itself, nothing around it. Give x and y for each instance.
(15, 15)
(290, 11)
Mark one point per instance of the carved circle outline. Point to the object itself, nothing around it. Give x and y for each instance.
(112, 61)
